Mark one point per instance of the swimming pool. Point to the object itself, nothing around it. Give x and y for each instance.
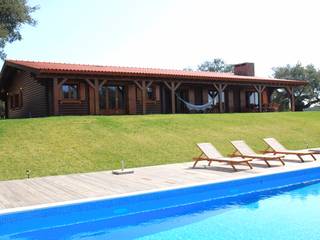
(278, 206)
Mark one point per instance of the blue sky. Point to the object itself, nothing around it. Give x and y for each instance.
(172, 33)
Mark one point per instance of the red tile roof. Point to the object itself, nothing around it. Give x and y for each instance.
(67, 68)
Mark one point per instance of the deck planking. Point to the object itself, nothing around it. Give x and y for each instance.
(56, 189)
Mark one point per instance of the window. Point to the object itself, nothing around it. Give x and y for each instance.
(70, 91)
(112, 96)
(16, 100)
(151, 93)
(102, 97)
(12, 105)
(121, 97)
(252, 99)
(213, 96)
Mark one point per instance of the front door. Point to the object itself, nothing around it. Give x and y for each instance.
(113, 99)
(180, 106)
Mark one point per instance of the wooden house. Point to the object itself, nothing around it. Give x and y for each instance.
(35, 89)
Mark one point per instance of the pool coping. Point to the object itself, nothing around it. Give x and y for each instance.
(102, 198)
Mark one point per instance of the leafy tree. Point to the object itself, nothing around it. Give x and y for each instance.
(217, 65)
(13, 14)
(188, 69)
(305, 96)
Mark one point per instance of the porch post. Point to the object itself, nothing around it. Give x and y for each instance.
(96, 96)
(56, 93)
(143, 87)
(260, 89)
(220, 88)
(163, 99)
(144, 104)
(260, 98)
(55, 97)
(92, 94)
(293, 102)
(220, 101)
(290, 91)
(173, 87)
(173, 99)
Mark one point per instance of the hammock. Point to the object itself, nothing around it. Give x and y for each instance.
(193, 107)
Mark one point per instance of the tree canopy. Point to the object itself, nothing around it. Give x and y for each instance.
(305, 96)
(217, 65)
(13, 14)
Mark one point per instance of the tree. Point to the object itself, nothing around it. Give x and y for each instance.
(305, 96)
(217, 65)
(13, 14)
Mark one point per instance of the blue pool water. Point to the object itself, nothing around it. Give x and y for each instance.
(280, 206)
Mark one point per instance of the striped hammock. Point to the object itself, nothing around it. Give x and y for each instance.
(193, 107)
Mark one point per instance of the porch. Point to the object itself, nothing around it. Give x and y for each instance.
(82, 96)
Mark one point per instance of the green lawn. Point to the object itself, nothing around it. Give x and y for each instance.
(62, 145)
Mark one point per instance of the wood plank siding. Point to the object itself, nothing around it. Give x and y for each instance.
(80, 108)
(152, 107)
(34, 95)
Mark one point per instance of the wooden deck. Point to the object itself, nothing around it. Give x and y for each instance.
(54, 189)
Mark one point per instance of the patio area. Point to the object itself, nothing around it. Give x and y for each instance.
(56, 189)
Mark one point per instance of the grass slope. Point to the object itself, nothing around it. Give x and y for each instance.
(62, 145)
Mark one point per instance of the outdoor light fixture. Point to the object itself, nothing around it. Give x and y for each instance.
(28, 172)
(122, 170)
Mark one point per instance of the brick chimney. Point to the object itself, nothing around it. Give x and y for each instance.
(244, 69)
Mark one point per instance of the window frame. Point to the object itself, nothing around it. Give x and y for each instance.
(69, 92)
(16, 100)
(152, 97)
(252, 99)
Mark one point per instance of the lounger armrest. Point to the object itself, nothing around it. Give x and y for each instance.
(234, 155)
(200, 158)
(242, 158)
(266, 151)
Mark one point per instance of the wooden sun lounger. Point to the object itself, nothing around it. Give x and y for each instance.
(243, 150)
(276, 147)
(211, 154)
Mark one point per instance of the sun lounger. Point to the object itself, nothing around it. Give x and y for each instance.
(210, 154)
(276, 147)
(243, 150)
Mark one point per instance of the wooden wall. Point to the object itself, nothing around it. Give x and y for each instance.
(34, 96)
(230, 100)
(132, 99)
(152, 106)
(243, 104)
(76, 107)
(265, 97)
(38, 98)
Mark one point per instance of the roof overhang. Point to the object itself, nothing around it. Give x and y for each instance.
(50, 70)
